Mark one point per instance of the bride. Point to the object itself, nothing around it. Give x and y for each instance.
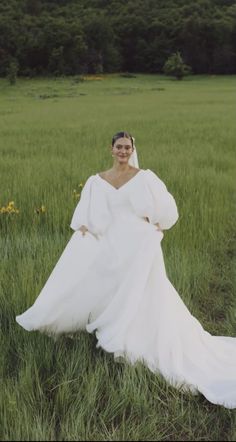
(111, 280)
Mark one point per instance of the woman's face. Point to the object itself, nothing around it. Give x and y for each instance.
(122, 150)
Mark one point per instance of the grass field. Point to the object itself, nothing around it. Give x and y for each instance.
(55, 133)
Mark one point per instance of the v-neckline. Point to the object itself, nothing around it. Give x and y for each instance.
(123, 185)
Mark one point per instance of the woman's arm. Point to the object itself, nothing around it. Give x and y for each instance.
(165, 213)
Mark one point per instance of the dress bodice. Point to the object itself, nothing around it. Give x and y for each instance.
(119, 199)
(119, 203)
(143, 196)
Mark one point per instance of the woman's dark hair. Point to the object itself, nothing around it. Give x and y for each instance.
(121, 135)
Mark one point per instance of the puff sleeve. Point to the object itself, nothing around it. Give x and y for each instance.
(152, 199)
(164, 210)
(92, 210)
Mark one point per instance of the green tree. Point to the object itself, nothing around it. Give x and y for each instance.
(56, 61)
(72, 37)
(12, 71)
(176, 67)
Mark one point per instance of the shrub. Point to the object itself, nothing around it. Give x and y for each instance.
(176, 67)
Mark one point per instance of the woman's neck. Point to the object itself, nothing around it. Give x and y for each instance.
(121, 168)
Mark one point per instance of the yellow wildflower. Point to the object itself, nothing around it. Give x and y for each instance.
(41, 209)
(9, 208)
(92, 77)
(76, 194)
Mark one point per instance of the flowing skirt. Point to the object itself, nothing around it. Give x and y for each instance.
(117, 287)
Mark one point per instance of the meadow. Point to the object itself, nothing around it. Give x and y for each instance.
(55, 133)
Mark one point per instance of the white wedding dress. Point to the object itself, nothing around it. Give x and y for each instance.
(113, 281)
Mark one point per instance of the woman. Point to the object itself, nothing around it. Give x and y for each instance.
(111, 280)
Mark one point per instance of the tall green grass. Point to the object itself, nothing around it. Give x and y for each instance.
(55, 133)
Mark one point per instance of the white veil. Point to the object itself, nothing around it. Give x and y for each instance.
(133, 160)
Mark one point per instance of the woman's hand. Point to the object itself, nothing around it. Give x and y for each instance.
(158, 227)
(157, 224)
(83, 229)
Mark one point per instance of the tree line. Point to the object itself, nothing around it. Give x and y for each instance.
(70, 37)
